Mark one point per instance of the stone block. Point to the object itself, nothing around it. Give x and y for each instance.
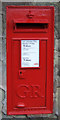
(0, 7)
(59, 45)
(0, 73)
(58, 100)
(59, 62)
(29, 119)
(29, 0)
(4, 76)
(0, 49)
(0, 26)
(1, 98)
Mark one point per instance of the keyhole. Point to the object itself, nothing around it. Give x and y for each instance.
(20, 72)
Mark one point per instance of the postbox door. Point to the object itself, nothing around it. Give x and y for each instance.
(29, 59)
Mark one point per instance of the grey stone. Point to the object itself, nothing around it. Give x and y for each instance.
(0, 7)
(58, 81)
(0, 73)
(59, 72)
(59, 100)
(30, 1)
(1, 98)
(0, 26)
(59, 45)
(4, 106)
(59, 62)
(0, 49)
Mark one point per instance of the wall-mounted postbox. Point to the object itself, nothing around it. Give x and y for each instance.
(30, 41)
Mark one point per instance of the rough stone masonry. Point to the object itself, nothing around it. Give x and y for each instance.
(3, 89)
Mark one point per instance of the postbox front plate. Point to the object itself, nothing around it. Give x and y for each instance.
(30, 45)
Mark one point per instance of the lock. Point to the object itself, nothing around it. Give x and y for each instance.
(21, 74)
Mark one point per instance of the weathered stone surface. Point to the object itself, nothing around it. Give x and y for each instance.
(59, 45)
(30, 118)
(0, 25)
(58, 89)
(30, 1)
(0, 73)
(1, 98)
(43, 116)
(0, 7)
(59, 62)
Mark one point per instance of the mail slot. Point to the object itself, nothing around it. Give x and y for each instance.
(30, 48)
(26, 27)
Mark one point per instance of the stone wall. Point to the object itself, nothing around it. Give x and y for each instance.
(3, 91)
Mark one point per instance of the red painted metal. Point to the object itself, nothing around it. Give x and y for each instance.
(30, 89)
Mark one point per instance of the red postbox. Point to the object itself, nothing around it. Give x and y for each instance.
(30, 46)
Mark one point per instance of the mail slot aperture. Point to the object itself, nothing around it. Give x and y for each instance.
(20, 27)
